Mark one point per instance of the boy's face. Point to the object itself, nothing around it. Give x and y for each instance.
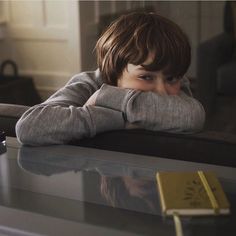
(137, 77)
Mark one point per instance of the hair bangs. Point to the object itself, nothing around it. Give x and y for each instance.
(140, 42)
(171, 54)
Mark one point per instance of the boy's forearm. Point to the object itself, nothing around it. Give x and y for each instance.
(152, 111)
(52, 124)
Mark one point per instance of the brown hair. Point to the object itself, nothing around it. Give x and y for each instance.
(132, 37)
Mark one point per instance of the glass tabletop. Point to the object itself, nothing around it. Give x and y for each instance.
(111, 191)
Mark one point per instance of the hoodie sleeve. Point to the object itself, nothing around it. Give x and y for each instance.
(151, 111)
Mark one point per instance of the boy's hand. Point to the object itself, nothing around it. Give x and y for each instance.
(92, 100)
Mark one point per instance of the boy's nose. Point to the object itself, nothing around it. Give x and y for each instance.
(160, 87)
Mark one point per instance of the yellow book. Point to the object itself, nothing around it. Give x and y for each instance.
(191, 193)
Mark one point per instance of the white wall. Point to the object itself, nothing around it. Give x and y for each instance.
(43, 38)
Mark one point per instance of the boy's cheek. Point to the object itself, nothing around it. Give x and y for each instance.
(174, 89)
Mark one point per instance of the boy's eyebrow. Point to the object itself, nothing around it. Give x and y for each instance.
(141, 68)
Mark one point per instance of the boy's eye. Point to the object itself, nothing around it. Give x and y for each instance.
(171, 79)
(145, 77)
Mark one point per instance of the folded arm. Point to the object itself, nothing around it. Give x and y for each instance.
(148, 110)
(60, 124)
(64, 118)
(72, 114)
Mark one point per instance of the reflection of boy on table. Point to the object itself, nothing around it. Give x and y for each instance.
(130, 192)
(142, 59)
(121, 185)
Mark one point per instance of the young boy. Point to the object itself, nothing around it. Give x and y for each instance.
(142, 58)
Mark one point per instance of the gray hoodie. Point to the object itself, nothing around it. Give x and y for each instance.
(63, 117)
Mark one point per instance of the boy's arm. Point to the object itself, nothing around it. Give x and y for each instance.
(63, 118)
(60, 124)
(173, 113)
